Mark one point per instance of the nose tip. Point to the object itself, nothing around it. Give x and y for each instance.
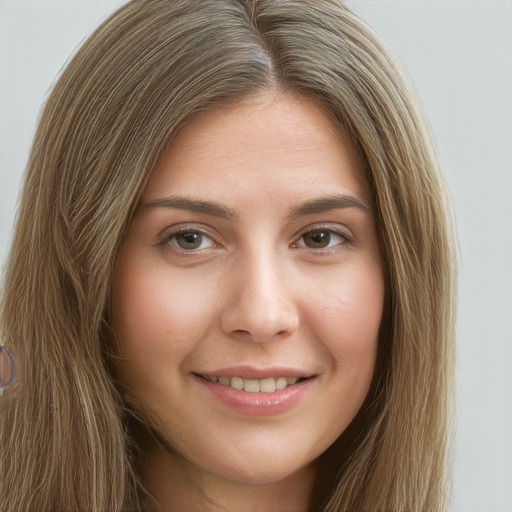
(261, 307)
(264, 327)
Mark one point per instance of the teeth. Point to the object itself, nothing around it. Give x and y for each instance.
(267, 385)
(251, 385)
(237, 383)
(281, 383)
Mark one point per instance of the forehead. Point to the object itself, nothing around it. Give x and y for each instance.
(275, 137)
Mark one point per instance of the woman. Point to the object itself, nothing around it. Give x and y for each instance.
(230, 286)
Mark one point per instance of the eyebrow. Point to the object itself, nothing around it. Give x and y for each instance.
(319, 205)
(327, 203)
(184, 203)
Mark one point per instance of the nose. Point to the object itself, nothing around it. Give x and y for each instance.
(260, 305)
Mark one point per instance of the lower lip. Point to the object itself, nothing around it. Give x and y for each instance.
(260, 404)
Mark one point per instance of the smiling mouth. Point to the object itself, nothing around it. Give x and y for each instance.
(266, 385)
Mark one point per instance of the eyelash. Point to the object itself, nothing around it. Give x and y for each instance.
(165, 239)
(343, 234)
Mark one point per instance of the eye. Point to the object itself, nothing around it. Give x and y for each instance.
(322, 239)
(189, 240)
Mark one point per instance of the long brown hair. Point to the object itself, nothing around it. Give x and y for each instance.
(143, 74)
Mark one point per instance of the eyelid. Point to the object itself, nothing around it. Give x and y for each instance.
(172, 231)
(335, 229)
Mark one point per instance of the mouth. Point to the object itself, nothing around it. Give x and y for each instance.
(259, 391)
(264, 385)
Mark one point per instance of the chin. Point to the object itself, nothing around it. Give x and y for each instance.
(263, 470)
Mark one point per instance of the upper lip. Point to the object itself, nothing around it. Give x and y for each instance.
(251, 372)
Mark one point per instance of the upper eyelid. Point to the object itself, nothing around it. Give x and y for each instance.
(184, 227)
(327, 226)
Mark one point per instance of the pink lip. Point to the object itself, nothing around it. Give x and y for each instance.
(259, 404)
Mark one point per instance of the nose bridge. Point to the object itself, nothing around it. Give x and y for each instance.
(261, 304)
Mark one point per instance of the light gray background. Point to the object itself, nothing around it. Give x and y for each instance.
(459, 55)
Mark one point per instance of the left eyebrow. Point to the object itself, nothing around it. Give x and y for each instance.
(185, 203)
(327, 203)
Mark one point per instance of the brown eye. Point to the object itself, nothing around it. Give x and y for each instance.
(190, 240)
(317, 239)
(322, 239)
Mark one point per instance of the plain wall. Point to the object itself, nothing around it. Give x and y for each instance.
(459, 55)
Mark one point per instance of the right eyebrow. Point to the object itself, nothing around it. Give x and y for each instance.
(186, 203)
(327, 203)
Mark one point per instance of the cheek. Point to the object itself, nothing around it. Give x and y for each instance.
(347, 316)
(152, 307)
(344, 315)
(159, 318)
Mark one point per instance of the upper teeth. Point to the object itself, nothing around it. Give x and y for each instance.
(267, 385)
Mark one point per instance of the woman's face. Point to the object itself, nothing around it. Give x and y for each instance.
(248, 293)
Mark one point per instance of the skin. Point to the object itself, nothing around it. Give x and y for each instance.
(254, 288)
